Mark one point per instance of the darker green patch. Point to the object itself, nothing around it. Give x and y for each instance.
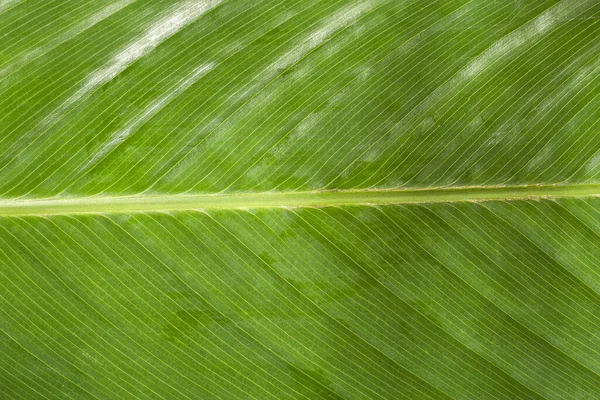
(426, 309)
(335, 289)
(313, 384)
(267, 259)
(283, 72)
(180, 295)
(184, 323)
(365, 282)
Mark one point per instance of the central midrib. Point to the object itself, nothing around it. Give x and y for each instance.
(129, 204)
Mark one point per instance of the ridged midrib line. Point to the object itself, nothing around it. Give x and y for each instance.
(178, 202)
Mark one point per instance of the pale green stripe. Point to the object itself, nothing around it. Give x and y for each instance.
(128, 204)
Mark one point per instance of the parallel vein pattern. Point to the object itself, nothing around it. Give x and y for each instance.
(277, 199)
(438, 301)
(296, 96)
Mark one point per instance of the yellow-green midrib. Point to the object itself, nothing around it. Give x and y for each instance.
(147, 203)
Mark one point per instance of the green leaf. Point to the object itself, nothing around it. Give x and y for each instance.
(339, 199)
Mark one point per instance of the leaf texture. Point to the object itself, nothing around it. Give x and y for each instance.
(338, 199)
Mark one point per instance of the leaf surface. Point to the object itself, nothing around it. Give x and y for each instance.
(299, 199)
